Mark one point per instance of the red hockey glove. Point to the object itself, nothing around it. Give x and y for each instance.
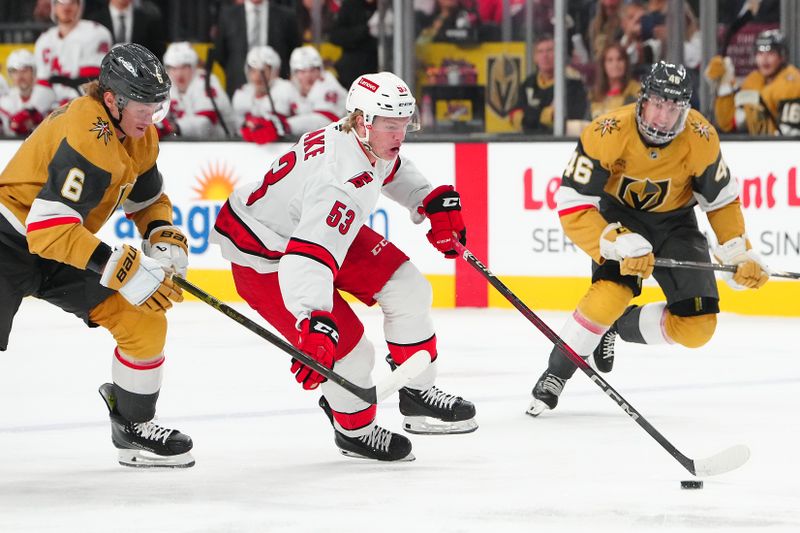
(167, 128)
(443, 208)
(24, 122)
(263, 130)
(318, 338)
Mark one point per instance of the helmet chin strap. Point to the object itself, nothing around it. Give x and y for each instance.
(114, 121)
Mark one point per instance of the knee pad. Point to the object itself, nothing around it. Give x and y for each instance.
(406, 301)
(690, 331)
(605, 302)
(139, 334)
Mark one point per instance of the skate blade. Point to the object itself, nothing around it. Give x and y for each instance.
(143, 459)
(348, 453)
(423, 425)
(536, 408)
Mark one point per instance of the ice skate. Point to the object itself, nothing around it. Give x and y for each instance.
(546, 393)
(146, 444)
(379, 444)
(604, 353)
(434, 412)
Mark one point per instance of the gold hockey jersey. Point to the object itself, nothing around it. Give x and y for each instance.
(762, 108)
(611, 163)
(71, 174)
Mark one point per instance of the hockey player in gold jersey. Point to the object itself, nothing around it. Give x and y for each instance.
(87, 158)
(768, 100)
(628, 193)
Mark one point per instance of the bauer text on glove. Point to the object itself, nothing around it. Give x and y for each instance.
(139, 279)
(168, 246)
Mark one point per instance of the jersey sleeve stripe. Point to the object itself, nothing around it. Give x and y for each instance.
(312, 251)
(575, 209)
(49, 223)
(89, 72)
(44, 83)
(236, 231)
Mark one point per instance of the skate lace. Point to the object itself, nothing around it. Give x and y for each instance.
(377, 439)
(553, 384)
(607, 349)
(438, 398)
(151, 431)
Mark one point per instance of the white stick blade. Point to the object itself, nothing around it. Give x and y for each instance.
(723, 462)
(411, 368)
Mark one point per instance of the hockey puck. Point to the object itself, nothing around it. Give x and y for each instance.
(692, 484)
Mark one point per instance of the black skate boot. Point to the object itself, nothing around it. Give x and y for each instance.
(432, 411)
(146, 445)
(546, 393)
(604, 352)
(379, 444)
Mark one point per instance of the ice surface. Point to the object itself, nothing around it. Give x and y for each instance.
(266, 459)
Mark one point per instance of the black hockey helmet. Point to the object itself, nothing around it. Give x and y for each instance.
(770, 40)
(666, 84)
(132, 72)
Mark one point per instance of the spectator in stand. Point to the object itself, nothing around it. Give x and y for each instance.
(199, 108)
(328, 11)
(27, 103)
(244, 25)
(129, 23)
(69, 54)
(453, 21)
(261, 106)
(641, 53)
(359, 46)
(613, 86)
(322, 98)
(768, 100)
(604, 28)
(534, 110)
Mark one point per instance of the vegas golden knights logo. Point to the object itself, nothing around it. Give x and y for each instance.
(643, 195)
(502, 85)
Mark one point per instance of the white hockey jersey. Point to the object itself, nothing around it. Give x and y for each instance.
(301, 219)
(76, 55)
(42, 99)
(282, 93)
(194, 112)
(324, 103)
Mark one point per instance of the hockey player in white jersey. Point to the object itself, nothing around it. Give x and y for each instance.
(27, 103)
(297, 239)
(322, 98)
(200, 108)
(69, 53)
(261, 106)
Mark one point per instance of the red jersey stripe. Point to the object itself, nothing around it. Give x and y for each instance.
(50, 222)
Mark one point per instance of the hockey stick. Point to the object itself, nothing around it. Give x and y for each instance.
(396, 380)
(673, 263)
(211, 58)
(719, 463)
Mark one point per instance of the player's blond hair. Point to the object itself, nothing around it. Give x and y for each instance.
(92, 89)
(350, 121)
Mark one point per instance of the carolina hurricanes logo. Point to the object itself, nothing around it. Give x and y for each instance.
(361, 180)
(607, 125)
(368, 85)
(102, 128)
(643, 195)
(703, 130)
